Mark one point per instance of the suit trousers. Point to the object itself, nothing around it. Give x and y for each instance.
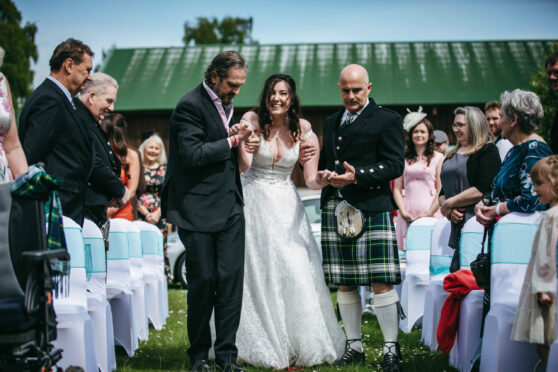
(215, 274)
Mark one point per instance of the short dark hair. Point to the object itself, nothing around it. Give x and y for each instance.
(551, 60)
(492, 105)
(70, 48)
(223, 62)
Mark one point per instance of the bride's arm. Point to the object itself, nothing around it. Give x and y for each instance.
(311, 177)
(246, 157)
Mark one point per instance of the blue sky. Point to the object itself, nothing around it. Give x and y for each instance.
(141, 23)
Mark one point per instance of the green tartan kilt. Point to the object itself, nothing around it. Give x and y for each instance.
(371, 258)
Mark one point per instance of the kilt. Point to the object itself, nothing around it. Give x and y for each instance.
(371, 258)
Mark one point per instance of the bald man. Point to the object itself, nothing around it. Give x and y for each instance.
(364, 145)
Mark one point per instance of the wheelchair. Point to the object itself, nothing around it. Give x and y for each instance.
(27, 318)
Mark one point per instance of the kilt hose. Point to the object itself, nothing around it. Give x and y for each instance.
(371, 258)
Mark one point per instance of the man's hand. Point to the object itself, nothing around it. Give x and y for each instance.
(339, 181)
(252, 143)
(306, 152)
(245, 130)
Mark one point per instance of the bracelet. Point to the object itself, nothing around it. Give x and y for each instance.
(498, 209)
(234, 141)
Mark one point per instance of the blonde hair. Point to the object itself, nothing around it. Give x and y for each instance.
(162, 158)
(479, 131)
(546, 169)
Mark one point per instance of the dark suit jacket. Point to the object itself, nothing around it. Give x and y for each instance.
(104, 182)
(202, 182)
(51, 132)
(375, 145)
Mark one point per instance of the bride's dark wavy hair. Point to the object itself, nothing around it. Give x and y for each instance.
(293, 113)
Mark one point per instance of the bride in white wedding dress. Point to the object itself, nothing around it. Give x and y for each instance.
(287, 316)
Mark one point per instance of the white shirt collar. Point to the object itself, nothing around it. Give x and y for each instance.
(62, 87)
(356, 114)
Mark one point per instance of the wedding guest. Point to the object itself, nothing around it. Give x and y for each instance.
(512, 189)
(12, 158)
(51, 131)
(154, 161)
(441, 141)
(416, 191)
(467, 172)
(535, 318)
(131, 170)
(492, 112)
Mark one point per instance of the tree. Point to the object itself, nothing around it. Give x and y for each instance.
(539, 84)
(211, 31)
(19, 44)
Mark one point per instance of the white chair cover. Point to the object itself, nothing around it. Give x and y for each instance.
(154, 294)
(97, 303)
(161, 272)
(75, 333)
(512, 240)
(417, 276)
(470, 242)
(119, 286)
(440, 260)
(138, 284)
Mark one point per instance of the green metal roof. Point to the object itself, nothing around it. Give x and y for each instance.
(402, 73)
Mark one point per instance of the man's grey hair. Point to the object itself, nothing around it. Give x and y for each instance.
(2, 54)
(526, 105)
(98, 83)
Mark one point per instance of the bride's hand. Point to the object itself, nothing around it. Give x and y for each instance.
(252, 143)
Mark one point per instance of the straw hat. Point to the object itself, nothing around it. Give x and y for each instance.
(413, 118)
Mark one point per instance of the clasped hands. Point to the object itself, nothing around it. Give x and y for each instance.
(246, 134)
(455, 215)
(327, 177)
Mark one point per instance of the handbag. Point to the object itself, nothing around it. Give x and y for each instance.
(481, 265)
(350, 220)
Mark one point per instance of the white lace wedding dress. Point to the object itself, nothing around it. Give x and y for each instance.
(287, 316)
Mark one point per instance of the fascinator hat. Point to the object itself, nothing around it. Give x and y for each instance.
(413, 118)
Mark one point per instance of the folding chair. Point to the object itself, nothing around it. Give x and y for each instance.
(440, 260)
(75, 326)
(512, 240)
(417, 275)
(97, 303)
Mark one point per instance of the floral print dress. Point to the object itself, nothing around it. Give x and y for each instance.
(151, 199)
(5, 123)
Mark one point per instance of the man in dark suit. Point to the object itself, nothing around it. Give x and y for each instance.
(364, 145)
(51, 131)
(203, 195)
(104, 186)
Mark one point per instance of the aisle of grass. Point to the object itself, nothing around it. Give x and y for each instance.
(166, 349)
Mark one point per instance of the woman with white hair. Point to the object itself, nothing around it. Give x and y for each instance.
(467, 172)
(12, 159)
(512, 191)
(154, 160)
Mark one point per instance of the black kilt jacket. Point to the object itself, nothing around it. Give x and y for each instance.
(375, 145)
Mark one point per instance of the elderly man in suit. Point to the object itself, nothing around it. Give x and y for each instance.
(203, 197)
(51, 131)
(364, 145)
(104, 186)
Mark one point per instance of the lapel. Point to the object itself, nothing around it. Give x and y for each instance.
(355, 127)
(210, 108)
(78, 122)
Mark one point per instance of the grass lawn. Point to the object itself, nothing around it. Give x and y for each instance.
(166, 349)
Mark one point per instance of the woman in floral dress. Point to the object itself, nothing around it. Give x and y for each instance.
(154, 161)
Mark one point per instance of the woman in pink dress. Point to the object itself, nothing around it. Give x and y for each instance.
(416, 191)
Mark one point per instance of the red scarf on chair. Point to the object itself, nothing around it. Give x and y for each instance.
(458, 284)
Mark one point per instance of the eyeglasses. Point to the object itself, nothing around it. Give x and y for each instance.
(458, 125)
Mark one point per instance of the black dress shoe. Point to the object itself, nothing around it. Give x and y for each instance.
(231, 367)
(351, 356)
(392, 358)
(200, 365)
